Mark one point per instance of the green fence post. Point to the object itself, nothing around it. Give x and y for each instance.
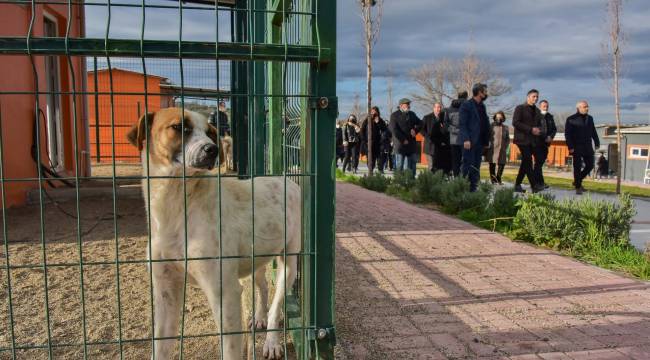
(276, 86)
(239, 102)
(257, 73)
(323, 78)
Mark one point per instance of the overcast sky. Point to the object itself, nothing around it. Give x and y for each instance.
(552, 45)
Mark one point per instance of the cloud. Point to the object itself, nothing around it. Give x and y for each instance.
(630, 107)
(556, 44)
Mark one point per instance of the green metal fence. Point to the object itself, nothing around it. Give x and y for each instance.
(76, 255)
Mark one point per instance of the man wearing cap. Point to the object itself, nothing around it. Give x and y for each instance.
(404, 124)
(474, 134)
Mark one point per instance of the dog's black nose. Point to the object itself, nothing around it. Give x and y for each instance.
(211, 149)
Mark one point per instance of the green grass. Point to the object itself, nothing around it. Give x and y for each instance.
(564, 183)
(623, 258)
(353, 179)
(627, 260)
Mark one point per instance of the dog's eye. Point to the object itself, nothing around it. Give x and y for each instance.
(178, 127)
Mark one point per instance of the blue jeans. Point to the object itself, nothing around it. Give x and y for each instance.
(472, 166)
(409, 159)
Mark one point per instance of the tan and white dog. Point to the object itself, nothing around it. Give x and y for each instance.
(193, 145)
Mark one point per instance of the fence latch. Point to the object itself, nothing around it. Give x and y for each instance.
(325, 103)
(323, 334)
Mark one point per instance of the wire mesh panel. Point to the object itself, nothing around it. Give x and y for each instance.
(167, 183)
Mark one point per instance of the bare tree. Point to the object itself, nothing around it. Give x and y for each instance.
(612, 69)
(445, 78)
(389, 88)
(434, 80)
(372, 24)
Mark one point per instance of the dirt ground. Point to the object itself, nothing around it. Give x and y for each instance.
(104, 238)
(121, 169)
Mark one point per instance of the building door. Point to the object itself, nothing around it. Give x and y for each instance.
(53, 103)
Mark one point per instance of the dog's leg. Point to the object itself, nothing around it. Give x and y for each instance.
(272, 347)
(261, 300)
(167, 297)
(226, 304)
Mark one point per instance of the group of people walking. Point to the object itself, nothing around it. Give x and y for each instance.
(352, 142)
(456, 139)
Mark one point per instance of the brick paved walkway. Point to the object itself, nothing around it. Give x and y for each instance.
(416, 284)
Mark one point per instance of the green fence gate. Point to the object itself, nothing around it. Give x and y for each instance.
(74, 279)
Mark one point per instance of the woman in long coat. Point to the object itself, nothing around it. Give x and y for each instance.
(498, 150)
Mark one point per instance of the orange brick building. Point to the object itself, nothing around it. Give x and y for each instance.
(56, 77)
(128, 105)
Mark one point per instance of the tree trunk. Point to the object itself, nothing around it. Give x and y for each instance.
(617, 107)
(369, 87)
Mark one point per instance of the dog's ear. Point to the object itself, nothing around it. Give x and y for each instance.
(213, 134)
(138, 133)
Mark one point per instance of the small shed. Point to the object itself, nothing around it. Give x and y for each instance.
(128, 104)
(636, 142)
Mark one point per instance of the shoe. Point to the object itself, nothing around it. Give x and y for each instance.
(579, 191)
(519, 189)
(500, 183)
(546, 186)
(536, 189)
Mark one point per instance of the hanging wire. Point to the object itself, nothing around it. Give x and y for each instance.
(219, 181)
(76, 169)
(40, 181)
(184, 175)
(5, 234)
(147, 178)
(113, 178)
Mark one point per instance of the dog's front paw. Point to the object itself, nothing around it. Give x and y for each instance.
(259, 323)
(272, 350)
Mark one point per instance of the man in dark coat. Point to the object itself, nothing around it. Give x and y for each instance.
(386, 151)
(474, 134)
(580, 132)
(602, 167)
(219, 119)
(432, 134)
(544, 142)
(452, 121)
(405, 124)
(528, 121)
(442, 158)
(378, 126)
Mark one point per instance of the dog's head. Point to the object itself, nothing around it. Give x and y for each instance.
(175, 138)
